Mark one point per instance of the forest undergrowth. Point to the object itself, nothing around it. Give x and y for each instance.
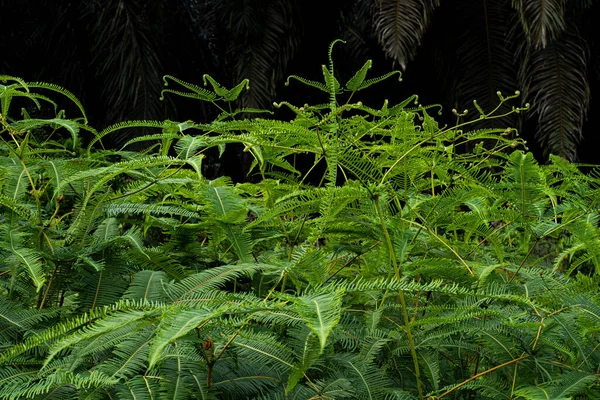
(371, 253)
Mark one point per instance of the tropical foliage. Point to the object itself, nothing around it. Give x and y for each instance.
(113, 53)
(395, 266)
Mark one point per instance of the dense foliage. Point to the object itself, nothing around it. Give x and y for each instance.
(410, 260)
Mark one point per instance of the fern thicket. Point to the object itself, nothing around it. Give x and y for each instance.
(369, 255)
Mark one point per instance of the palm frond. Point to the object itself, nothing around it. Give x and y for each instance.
(126, 58)
(555, 80)
(487, 64)
(268, 41)
(400, 26)
(543, 20)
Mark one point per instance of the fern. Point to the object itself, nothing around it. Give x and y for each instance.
(368, 256)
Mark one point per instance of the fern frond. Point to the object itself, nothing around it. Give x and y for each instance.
(24, 257)
(315, 84)
(61, 90)
(199, 92)
(358, 78)
(321, 310)
(127, 125)
(373, 81)
(210, 279)
(116, 209)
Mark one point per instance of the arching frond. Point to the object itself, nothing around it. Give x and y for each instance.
(126, 56)
(543, 21)
(555, 80)
(400, 26)
(267, 38)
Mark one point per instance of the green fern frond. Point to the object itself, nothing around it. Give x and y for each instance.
(57, 331)
(60, 90)
(220, 90)
(116, 209)
(210, 279)
(188, 146)
(28, 124)
(23, 257)
(358, 78)
(177, 322)
(315, 84)
(151, 138)
(19, 209)
(564, 387)
(199, 92)
(373, 81)
(127, 125)
(321, 310)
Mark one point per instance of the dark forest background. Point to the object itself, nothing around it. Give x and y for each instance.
(113, 53)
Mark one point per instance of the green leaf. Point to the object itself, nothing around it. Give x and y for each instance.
(354, 83)
(70, 126)
(29, 259)
(234, 92)
(219, 90)
(321, 311)
(331, 82)
(315, 84)
(176, 322)
(199, 92)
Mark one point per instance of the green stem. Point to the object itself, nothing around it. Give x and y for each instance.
(398, 274)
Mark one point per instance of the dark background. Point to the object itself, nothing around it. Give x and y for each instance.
(113, 53)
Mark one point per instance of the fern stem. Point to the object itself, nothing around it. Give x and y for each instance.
(43, 299)
(283, 282)
(475, 371)
(315, 163)
(514, 380)
(524, 259)
(347, 263)
(97, 290)
(397, 275)
(439, 239)
(397, 272)
(446, 393)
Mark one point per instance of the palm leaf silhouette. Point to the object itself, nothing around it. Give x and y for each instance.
(125, 57)
(486, 59)
(555, 81)
(400, 26)
(543, 20)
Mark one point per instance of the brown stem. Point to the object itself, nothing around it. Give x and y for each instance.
(349, 262)
(97, 290)
(209, 375)
(475, 372)
(480, 374)
(524, 259)
(48, 287)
